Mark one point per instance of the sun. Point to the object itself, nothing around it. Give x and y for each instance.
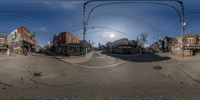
(112, 35)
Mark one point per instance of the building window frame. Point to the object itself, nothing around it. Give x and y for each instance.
(190, 39)
(2, 40)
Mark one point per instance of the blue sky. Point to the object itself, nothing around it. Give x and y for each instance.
(49, 17)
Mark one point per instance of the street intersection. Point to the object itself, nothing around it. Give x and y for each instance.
(103, 76)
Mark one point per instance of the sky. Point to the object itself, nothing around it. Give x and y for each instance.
(106, 23)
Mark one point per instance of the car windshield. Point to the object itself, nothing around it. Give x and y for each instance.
(99, 49)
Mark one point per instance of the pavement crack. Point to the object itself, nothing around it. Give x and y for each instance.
(195, 80)
(5, 84)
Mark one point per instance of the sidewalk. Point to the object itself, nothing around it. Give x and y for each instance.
(5, 57)
(76, 59)
(190, 65)
(180, 58)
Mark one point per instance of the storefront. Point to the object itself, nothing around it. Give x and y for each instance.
(3, 49)
(75, 49)
(125, 49)
(20, 47)
(193, 50)
(69, 49)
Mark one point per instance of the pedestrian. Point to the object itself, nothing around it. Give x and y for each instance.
(81, 51)
(8, 52)
(26, 51)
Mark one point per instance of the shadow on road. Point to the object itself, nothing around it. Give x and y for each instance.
(146, 57)
(51, 54)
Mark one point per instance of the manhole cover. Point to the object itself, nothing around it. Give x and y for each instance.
(157, 67)
(37, 74)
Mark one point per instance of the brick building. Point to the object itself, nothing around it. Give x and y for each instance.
(22, 39)
(66, 43)
(190, 44)
(65, 37)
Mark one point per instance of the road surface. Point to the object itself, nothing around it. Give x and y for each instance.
(103, 77)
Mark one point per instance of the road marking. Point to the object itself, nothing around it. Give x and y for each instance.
(92, 67)
(98, 57)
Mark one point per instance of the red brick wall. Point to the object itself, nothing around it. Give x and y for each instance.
(67, 37)
(25, 35)
(187, 40)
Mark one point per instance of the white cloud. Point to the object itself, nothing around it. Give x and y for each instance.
(64, 4)
(43, 29)
(72, 4)
(46, 2)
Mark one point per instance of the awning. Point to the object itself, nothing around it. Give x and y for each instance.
(191, 47)
(3, 48)
(125, 46)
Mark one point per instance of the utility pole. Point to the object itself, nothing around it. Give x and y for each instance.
(182, 23)
(84, 21)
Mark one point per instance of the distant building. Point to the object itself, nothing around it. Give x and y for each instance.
(155, 47)
(123, 46)
(189, 45)
(100, 47)
(158, 46)
(164, 45)
(20, 39)
(3, 44)
(168, 43)
(110, 47)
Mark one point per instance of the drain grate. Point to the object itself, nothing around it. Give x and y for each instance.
(37, 74)
(157, 67)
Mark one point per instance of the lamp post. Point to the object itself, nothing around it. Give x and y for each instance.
(182, 25)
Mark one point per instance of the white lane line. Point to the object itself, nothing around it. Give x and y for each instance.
(92, 67)
(98, 57)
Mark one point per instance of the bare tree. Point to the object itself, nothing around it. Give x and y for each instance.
(142, 39)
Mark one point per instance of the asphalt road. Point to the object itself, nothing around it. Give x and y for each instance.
(103, 77)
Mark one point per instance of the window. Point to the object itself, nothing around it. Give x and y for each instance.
(190, 40)
(1, 40)
(177, 48)
(180, 40)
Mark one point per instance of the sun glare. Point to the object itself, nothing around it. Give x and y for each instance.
(112, 35)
